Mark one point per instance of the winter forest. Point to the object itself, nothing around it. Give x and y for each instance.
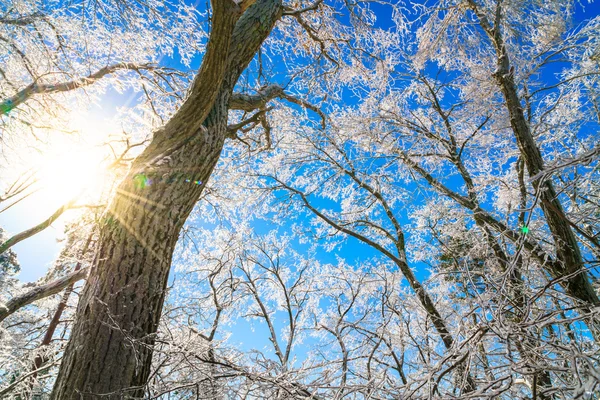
(299, 199)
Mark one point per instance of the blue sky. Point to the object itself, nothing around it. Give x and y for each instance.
(37, 253)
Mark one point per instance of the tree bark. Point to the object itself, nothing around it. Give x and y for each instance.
(110, 349)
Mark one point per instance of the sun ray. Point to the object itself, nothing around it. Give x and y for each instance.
(140, 198)
(136, 235)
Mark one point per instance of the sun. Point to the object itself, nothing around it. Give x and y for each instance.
(72, 172)
(73, 168)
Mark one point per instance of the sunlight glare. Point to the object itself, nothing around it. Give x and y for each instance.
(70, 172)
(75, 166)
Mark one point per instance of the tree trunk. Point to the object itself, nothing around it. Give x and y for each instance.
(570, 262)
(570, 265)
(110, 348)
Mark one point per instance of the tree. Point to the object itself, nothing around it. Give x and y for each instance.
(444, 126)
(137, 239)
(570, 260)
(430, 202)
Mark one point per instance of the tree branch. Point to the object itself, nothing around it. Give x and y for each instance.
(21, 379)
(292, 12)
(40, 292)
(23, 20)
(248, 102)
(36, 229)
(40, 88)
(188, 119)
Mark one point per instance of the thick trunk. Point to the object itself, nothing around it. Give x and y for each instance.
(110, 349)
(111, 343)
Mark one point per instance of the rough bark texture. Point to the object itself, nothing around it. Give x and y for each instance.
(110, 349)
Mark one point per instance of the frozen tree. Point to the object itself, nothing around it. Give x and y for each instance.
(400, 200)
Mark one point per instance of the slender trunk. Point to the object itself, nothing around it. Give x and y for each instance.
(567, 248)
(47, 339)
(421, 292)
(423, 296)
(570, 262)
(110, 349)
(515, 282)
(40, 359)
